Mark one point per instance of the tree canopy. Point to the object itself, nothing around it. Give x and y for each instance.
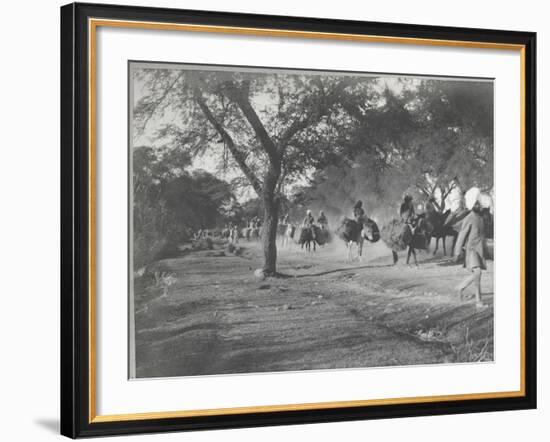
(312, 138)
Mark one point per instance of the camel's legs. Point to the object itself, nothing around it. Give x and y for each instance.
(444, 249)
(394, 256)
(437, 244)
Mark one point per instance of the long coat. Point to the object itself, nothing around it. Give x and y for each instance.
(472, 238)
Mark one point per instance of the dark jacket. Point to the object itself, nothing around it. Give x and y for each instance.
(358, 213)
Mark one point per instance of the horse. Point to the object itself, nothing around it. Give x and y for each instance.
(307, 238)
(234, 235)
(442, 226)
(286, 232)
(245, 233)
(402, 236)
(350, 231)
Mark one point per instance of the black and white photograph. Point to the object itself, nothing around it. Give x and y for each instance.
(286, 220)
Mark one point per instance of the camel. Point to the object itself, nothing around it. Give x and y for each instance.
(351, 232)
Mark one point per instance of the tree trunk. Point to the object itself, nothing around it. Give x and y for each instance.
(269, 233)
(271, 204)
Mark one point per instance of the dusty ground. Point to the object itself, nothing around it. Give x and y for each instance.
(206, 313)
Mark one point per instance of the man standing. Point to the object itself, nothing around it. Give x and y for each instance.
(472, 239)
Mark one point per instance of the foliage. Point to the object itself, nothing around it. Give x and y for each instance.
(430, 139)
(169, 202)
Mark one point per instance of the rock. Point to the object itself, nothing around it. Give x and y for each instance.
(287, 307)
(260, 274)
(264, 287)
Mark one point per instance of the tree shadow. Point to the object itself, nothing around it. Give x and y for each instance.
(450, 263)
(329, 272)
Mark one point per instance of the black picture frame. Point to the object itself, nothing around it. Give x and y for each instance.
(75, 220)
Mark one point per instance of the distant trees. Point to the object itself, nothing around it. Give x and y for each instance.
(169, 201)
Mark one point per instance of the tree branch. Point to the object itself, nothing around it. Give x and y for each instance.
(240, 96)
(159, 102)
(237, 154)
(297, 125)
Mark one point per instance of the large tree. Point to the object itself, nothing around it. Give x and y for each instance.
(430, 137)
(452, 146)
(275, 129)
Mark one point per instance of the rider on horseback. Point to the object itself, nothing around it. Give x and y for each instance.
(430, 206)
(309, 223)
(308, 220)
(322, 220)
(406, 211)
(359, 213)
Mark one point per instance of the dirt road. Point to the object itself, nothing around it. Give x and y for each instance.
(206, 313)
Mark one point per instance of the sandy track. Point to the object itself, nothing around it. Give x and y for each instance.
(323, 313)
